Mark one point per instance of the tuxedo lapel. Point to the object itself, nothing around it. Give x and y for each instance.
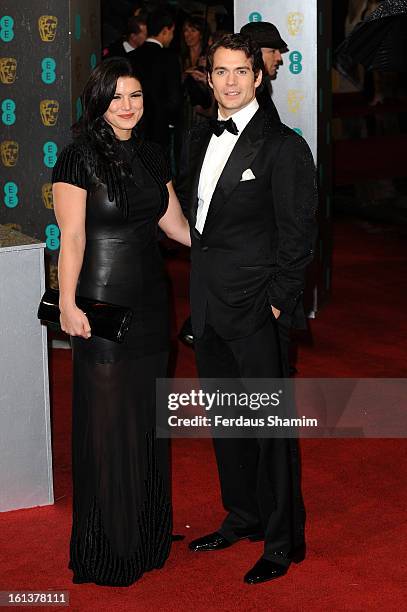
(240, 159)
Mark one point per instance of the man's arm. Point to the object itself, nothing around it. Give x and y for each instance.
(183, 182)
(295, 201)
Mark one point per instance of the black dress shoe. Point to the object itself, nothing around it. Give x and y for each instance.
(212, 541)
(216, 541)
(297, 554)
(186, 334)
(176, 537)
(265, 570)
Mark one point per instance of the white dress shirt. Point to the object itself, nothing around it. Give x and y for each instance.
(154, 40)
(127, 46)
(217, 154)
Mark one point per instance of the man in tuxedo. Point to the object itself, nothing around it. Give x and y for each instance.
(250, 183)
(160, 75)
(266, 35)
(136, 34)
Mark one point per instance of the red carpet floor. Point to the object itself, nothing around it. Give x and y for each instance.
(355, 490)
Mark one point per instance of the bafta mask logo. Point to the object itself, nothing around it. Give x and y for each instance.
(14, 226)
(9, 153)
(8, 70)
(53, 276)
(294, 100)
(47, 26)
(294, 23)
(49, 112)
(46, 193)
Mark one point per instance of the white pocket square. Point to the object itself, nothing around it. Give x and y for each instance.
(247, 175)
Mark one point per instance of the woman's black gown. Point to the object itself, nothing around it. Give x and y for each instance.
(122, 518)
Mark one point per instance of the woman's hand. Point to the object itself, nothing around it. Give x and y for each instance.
(198, 75)
(74, 322)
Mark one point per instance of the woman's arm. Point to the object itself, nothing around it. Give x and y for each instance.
(70, 211)
(173, 223)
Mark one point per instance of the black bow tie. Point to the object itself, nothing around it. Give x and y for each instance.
(218, 127)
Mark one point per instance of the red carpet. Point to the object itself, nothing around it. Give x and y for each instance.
(354, 489)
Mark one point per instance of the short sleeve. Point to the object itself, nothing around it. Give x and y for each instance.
(71, 168)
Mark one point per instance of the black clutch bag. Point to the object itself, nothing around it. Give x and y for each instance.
(106, 320)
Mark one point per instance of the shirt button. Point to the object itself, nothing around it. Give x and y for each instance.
(204, 248)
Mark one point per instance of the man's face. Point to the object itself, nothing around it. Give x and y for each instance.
(136, 40)
(272, 59)
(232, 80)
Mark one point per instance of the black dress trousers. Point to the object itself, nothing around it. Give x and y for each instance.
(259, 478)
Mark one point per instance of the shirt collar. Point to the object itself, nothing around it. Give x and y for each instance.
(243, 116)
(154, 40)
(127, 46)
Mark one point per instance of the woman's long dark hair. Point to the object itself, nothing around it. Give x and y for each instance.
(198, 23)
(96, 98)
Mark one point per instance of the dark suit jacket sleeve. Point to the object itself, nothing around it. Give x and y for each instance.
(295, 203)
(173, 87)
(183, 181)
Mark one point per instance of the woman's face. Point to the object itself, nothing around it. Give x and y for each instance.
(192, 36)
(126, 108)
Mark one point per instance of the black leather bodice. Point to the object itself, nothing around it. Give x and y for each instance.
(122, 263)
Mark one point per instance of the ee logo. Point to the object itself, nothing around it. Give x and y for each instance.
(52, 234)
(93, 60)
(10, 195)
(78, 109)
(78, 26)
(48, 66)
(6, 28)
(8, 115)
(255, 17)
(50, 151)
(298, 130)
(295, 58)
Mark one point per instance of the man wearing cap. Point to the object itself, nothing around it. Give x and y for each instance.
(266, 35)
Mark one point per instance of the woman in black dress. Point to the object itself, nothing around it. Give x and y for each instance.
(111, 190)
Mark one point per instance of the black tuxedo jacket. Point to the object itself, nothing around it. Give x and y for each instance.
(259, 234)
(160, 75)
(266, 102)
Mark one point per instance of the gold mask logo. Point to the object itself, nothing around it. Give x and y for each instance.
(9, 153)
(47, 26)
(46, 193)
(294, 99)
(53, 276)
(14, 226)
(8, 70)
(49, 112)
(294, 23)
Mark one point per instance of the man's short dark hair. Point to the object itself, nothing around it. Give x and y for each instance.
(237, 42)
(158, 20)
(133, 25)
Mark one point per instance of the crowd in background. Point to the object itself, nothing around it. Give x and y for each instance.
(176, 92)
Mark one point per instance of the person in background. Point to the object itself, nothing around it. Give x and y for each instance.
(136, 34)
(111, 190)
(196, 92)
(266, 35)
(160, 75)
